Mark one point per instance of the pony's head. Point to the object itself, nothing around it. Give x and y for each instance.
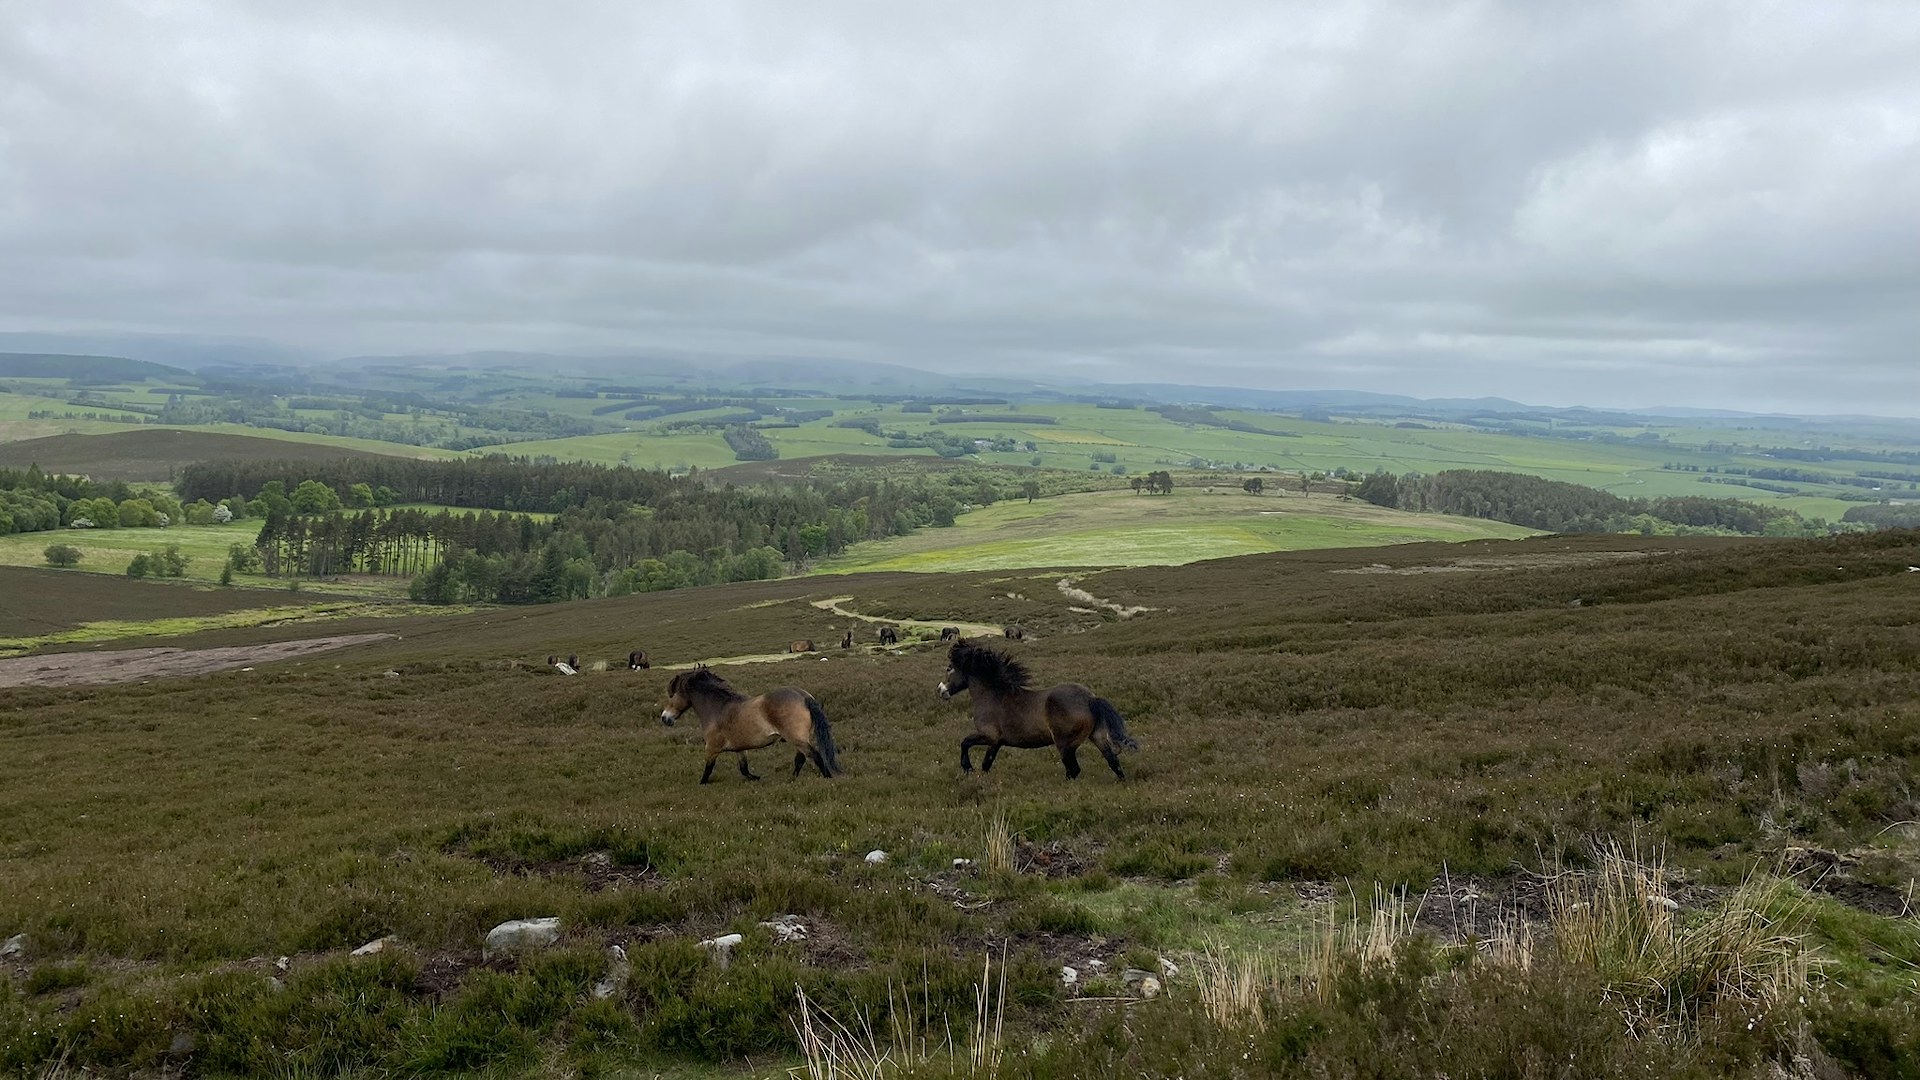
(682, 688)
(968, 663)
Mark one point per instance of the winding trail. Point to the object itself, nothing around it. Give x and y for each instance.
(1078, 595)
(969, 629)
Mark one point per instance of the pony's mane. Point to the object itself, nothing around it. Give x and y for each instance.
(702, 678)
(995, 670)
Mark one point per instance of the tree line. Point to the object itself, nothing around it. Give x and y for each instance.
(612, 530)
(1557, 506)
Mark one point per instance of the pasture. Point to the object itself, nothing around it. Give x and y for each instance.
(1125, 528)
(1438, 718)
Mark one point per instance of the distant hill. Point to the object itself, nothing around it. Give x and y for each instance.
(93, 368)
(158, 453)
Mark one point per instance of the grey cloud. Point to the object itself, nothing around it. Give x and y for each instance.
(1717, 201)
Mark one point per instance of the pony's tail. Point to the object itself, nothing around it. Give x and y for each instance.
(1108, 717)
(823, 736)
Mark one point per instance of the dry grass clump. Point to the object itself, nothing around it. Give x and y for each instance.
(1619, 921)
(838, 1050)
(999, 846)
(1615, 922)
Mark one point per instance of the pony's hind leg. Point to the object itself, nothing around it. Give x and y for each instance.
(744, 771)
(986, 763)
(1071, 759)
(799, 762)
(1105, 746)
(819, 762)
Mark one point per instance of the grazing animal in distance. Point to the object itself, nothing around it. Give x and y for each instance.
(802, 645)
(637, 660)
(846, 642)
(889, 636)
(1008, 711)
(733, 722)
(569, 666)
(949, 633)
(1014, 632)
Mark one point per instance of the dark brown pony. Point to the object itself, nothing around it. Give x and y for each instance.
(847, 641)
(1008, 711)
(731, 721)
(889, 636)
(637, 660)
(1014, 633)
(950, 633)
(803, 645)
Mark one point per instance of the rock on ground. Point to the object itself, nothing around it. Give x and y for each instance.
(521, 934)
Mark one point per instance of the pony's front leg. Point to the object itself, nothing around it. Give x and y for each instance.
(744, 771)
(706, 774)
(966, 750)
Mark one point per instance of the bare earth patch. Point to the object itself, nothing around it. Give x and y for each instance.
(129, 665)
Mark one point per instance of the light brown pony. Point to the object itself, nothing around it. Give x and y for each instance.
(731, 721)
(1007, 711)
(802, 645)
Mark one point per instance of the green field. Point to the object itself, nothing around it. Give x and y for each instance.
(1317, 730)
(1140, 441)
(1123, 528)
(108, 551)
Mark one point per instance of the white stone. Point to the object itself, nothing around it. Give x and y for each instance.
(518, 934)
(962, 864)
(15, 946)
(1168, 969)
(282, 964)
(1149, 987)
(375, 946)
(876, 857)
(1069, 978)
(786, 928)
(722, 947)
(619, 970)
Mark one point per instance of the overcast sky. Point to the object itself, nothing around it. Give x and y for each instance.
(1565, 203)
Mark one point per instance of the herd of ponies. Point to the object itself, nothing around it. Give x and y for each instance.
(1008, 710)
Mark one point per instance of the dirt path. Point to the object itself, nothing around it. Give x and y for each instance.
(1071, 590)
(128, 665)
(967, 629)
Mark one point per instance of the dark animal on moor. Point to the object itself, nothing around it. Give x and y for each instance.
(733, 722)
(1008, 711)
(803, 645)
(949, 633)
(637, 661)
(846, 642)
(889, 636)
(1016, 633)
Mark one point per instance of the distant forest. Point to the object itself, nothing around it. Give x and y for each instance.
(1556, 506)
(614, 530)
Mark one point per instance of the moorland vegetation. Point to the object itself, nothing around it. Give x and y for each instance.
(1598, 806)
